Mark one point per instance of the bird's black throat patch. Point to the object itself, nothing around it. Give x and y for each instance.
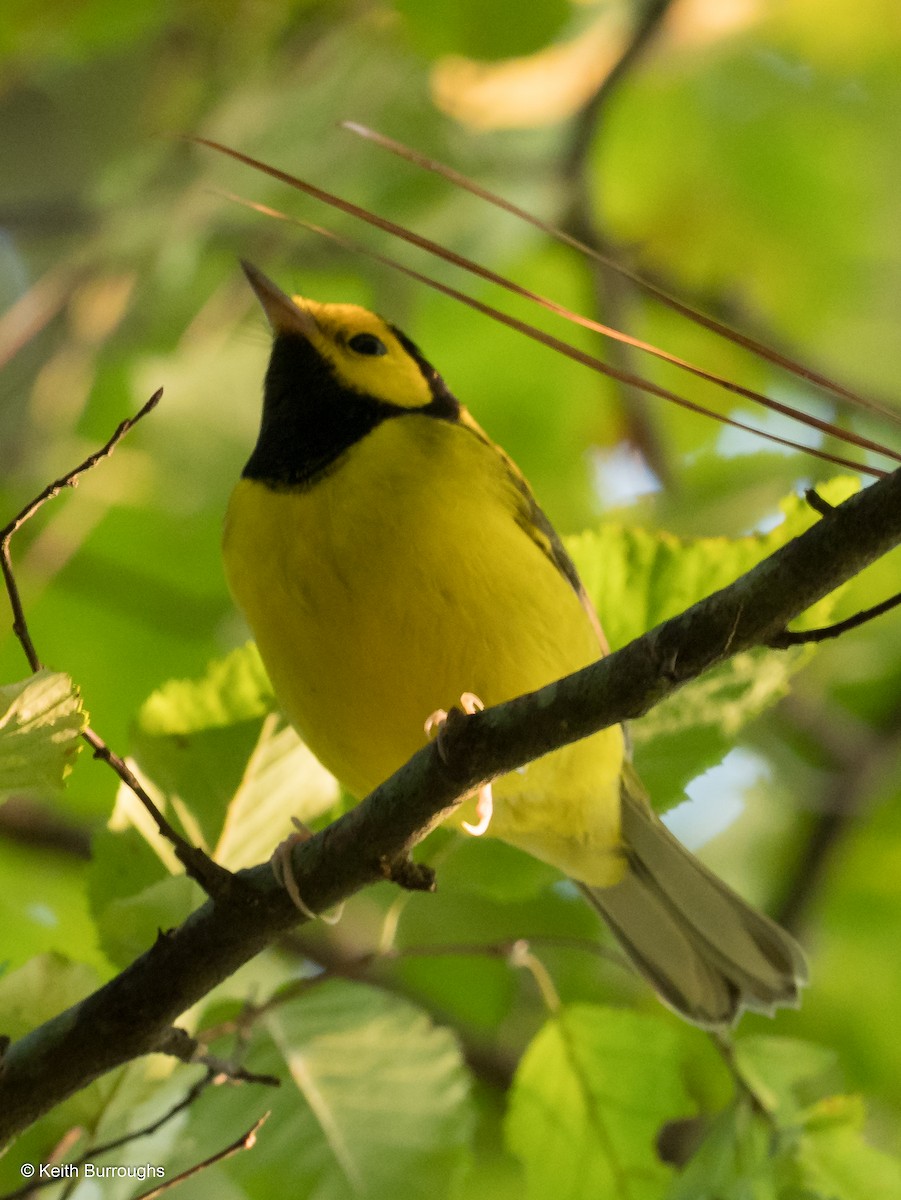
(310, 419)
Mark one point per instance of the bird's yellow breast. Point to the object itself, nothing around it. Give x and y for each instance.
(397, 582)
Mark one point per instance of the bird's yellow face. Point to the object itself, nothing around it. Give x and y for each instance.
(365, 352)
(336, 373)
(390, 558)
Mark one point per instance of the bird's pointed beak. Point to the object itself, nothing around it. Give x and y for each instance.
(283, 315)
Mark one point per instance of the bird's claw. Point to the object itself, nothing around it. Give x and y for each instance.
(470, 703)
(283, 871)
(484, 811)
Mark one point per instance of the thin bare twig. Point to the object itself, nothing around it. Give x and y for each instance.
(116, 1143)
(213, 1076)
(490, 1063)
(194, 1092)
(802, 637)
(212, 878)
(622, 375)
(817, 503)
(246, 1141)
(647, 22)
(178, 1043)
(757, 347)
(546, 339)
(20, 625)
(101, 1032)
(341, 964)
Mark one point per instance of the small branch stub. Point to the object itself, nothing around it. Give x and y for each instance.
(788, 637)
(410, 875)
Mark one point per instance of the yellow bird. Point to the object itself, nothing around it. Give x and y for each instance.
(389, 558)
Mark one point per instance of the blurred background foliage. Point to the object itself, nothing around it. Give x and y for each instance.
(744, 157)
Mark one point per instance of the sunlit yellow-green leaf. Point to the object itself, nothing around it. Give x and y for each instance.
(227, 763)
(747, 159)
(41, 720)
(835, 1158)
(638, 578)
(590, 1097)
(375, 1101)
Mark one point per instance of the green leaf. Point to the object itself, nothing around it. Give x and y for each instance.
(43, 907)
(117, 1103)
(502, 29)
(785, 1074)
(129, 926)
(638, 578)
(234, 774)
(46, 985)
(380, 1105)
(836, 1161)
(691, 731)
(283, 779)
(733, 1162)
(41, 721)
(193, 737)
(234, 689)
(805, 1148)
(38, 990)
(589, 1099)
(130, 866)
(219, 762)
(495, 870)
(124, 861)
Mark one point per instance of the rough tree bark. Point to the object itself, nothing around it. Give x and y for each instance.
(133, 1014)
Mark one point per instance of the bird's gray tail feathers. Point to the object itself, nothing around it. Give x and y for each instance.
(705, 951)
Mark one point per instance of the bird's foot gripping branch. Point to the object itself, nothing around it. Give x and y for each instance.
(133, 1013)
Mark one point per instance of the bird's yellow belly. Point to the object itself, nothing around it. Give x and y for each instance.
(375, 604)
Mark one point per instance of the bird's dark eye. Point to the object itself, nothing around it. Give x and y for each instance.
(368, 343)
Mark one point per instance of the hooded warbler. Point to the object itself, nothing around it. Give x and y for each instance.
(389, 557)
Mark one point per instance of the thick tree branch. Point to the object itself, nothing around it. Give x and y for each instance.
(133, 1013)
